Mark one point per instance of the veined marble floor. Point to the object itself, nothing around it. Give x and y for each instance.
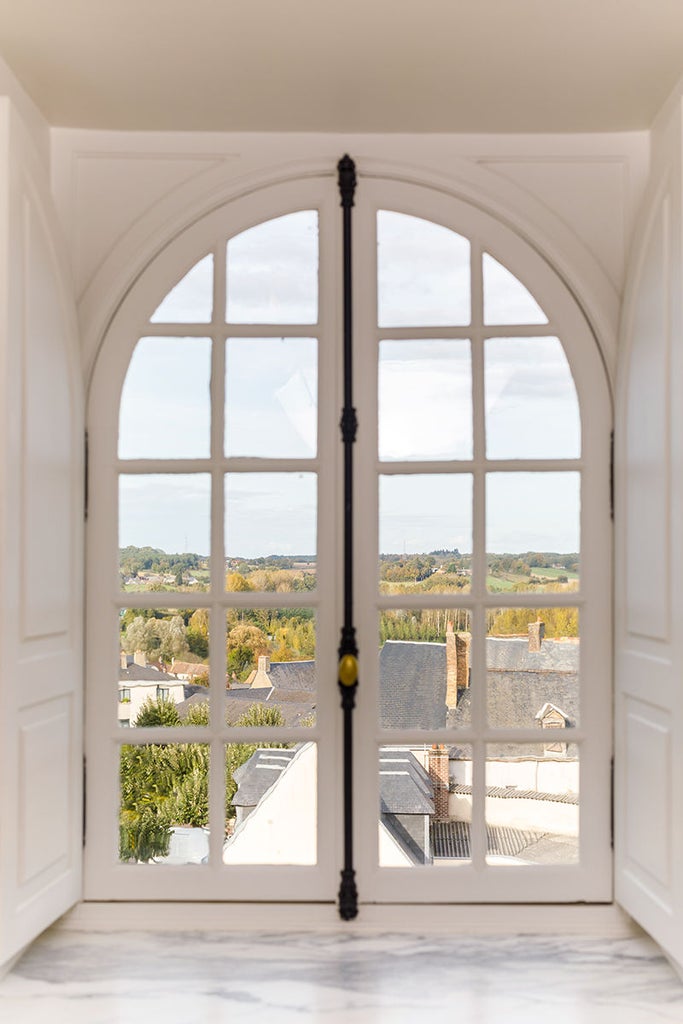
(217, 978)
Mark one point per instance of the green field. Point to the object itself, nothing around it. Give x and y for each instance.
(552, 573)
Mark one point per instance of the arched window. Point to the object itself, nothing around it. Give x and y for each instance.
(482, 512)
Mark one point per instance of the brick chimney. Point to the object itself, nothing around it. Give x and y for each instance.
(451, 667)
(437, 766)
(536, 634)
(140, 658)
(462, 647)
(124, 659)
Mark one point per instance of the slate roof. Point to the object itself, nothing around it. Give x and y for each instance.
(139, 674)
(512, 654)
(412, 685)
(294, 712)
(293, 675)
(508, 793)
(256, 776)
(452, 839)
(404, 785)
(519, 682)
(183, 706)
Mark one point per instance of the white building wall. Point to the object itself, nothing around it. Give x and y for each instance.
(282, 827)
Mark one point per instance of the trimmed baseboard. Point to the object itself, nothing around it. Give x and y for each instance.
(607, 920)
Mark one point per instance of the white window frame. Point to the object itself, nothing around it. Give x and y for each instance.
(591, 879)
(105, 878)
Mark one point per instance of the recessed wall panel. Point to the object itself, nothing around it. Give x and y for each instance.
(648, 775)
(44, 795)
(46, 555)
(648, 556)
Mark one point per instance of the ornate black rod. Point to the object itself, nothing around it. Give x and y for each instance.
(348, 651)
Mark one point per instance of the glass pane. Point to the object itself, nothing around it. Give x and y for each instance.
(164, 528)
(273, 272)
(191, 300)
(424, 668)
(165, 402)
(271, 663)
(164, 812)
(532, 804)
(532, 669)
(532, 520)
(423, 273)
(532, 411)
(506, 300)
(425, 533)
(425, 400)
(425, 805)
(271, 397)
(163, 667)
(271, 803)
(270, 523)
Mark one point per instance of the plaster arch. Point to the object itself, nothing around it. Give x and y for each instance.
(178, 213)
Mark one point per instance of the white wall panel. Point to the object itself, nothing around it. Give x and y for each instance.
(591, 196)
(648, 842)
(123, 196)
(46, 493)
(113, 191)
(647, 440)
(44, 755)
(648, 778)
(41, 509)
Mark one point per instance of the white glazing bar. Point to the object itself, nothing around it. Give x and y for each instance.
(217, 653)
(492, 466)
(478, 566)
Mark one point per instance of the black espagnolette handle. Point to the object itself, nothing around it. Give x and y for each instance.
(347, 675)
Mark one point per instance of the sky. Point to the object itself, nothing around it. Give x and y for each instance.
(424, 401)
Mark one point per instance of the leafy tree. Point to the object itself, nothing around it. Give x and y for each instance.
(141, 635)
(261, 715)
(173, 638)
(245, 643)
(157, 712)
(144, 831)
(236, 582)
(197, 634)
(198, 714)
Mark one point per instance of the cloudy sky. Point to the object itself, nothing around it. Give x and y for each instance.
(424, 401)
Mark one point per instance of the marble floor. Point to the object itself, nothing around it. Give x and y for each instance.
(218, 978)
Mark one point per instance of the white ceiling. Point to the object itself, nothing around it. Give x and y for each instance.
(346, 65)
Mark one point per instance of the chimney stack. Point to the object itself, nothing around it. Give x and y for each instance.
(451, 668)
(536, 634)
(437, 766)
(124, 659)
(140, 658)
(261, 678)
(462, 648)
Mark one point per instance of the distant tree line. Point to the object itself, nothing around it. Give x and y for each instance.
(133, 560)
